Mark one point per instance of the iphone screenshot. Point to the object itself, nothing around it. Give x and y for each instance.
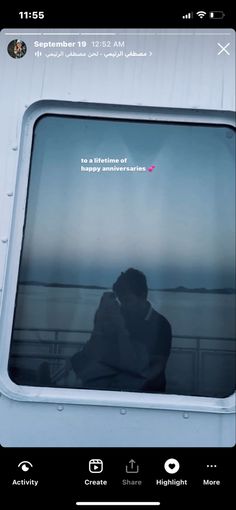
(117, 258)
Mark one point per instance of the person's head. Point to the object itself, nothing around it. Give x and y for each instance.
(131, 290)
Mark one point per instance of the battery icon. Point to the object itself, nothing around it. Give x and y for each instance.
(216, 14)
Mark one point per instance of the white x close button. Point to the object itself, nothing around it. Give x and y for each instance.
(223, 49)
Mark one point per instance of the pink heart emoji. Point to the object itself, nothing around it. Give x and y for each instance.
(151, 168)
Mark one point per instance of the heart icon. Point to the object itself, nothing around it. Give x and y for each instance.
(171, 466)
(151, 168)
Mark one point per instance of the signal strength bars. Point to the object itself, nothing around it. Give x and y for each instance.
(189, 15)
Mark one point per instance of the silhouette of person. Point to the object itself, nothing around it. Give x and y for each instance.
(130, 343)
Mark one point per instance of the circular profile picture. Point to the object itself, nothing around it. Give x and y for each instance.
(17, 48)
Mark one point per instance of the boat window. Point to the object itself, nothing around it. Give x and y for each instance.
(127, 271)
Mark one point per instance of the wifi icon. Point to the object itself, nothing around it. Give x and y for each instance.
(201, 14)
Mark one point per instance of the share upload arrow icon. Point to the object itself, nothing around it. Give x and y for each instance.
(132, 467)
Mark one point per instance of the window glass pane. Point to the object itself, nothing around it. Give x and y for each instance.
(162, 201)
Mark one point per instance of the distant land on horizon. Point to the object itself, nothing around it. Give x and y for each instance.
(200, 290)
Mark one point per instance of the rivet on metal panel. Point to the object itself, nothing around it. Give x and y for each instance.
(15, 148)
(123, 411)
(60, 407)
(186, 415)
(4, 239)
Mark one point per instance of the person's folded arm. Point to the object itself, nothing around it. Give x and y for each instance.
(132, 356)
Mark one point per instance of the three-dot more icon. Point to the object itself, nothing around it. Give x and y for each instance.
(25, 465)
(211, 465)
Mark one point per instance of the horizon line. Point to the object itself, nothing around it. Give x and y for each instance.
(95, 286)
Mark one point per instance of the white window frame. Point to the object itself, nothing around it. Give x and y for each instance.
(83, 396)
